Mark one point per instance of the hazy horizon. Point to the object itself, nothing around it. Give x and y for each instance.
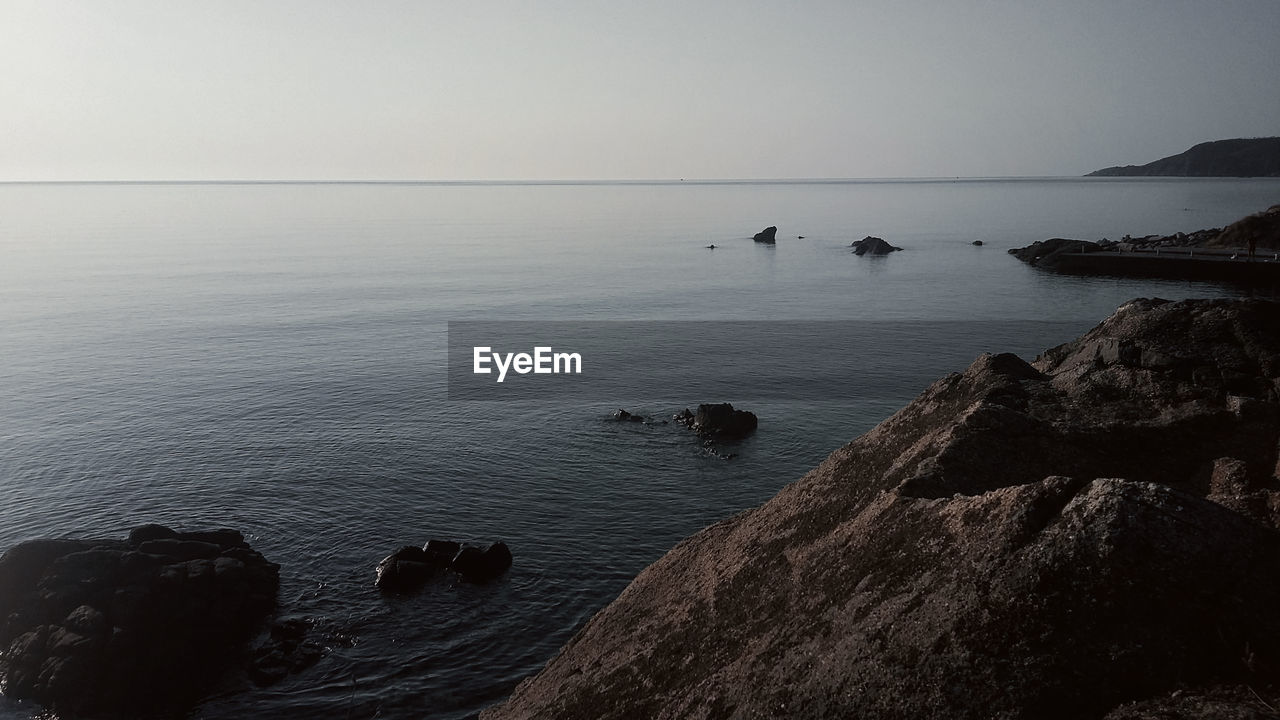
(293, 91)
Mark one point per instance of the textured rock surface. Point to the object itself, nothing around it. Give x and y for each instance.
(140, 626)
(1090, 535)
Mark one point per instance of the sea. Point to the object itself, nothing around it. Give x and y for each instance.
(272, 357)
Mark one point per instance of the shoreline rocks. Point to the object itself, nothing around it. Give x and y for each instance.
(1093, 534)
(140, 626)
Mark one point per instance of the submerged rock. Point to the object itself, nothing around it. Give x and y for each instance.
(1091, 533)
(767, 235)
(128, 627)
(872, 246)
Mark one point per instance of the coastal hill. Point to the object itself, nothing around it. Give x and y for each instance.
(1243, 157)
(1092, 535)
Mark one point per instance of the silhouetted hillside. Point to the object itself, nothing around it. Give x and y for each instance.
(1244, 157)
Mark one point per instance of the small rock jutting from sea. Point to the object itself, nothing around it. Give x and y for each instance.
(1090, 535)
(768, 235)
(872, 245)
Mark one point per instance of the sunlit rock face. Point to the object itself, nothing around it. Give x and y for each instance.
(1092, 534)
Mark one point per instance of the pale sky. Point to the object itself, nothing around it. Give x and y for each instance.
(588, 89)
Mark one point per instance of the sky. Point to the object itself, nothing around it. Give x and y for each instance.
(584, 89)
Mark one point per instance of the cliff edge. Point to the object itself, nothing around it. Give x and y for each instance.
(1089, 535)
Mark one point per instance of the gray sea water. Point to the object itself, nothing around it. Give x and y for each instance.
(271, 357)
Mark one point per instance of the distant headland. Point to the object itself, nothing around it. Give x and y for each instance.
(1242, 157)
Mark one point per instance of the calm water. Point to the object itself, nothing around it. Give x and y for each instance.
(271, 358)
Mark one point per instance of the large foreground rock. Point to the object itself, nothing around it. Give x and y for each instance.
(128, 627)
(1092, 535)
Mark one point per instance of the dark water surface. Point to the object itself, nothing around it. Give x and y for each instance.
(271, 358)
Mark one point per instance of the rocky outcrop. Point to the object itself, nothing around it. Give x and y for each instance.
(1092, 534)
(135, 627)
(409, 568)
(1242, 157)
(767, 235)
(1044, 252)
(871, 245)
(1262, 228)
(719, 422)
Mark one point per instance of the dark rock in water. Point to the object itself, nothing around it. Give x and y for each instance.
(287, 650)
(977, 242)
(109, 627)
(440, 553)
(624, 416)
(409, 568)
(405, 570)
(1043, 252)
(718, 422)
(872, 246)
(1091, 535)
(476, 564)
(767, 235)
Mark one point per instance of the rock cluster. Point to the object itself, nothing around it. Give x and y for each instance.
(139, 626)
(719, 422)
(871, 245)
(1090, 535)
(410, 567)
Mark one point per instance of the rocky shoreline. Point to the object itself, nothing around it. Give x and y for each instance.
(1091, 535)
(1247, 251)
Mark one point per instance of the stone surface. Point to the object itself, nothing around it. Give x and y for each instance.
(135, 627)
(1031, 541)
(767, 235)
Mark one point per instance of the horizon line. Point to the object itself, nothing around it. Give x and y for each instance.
(574, 181)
